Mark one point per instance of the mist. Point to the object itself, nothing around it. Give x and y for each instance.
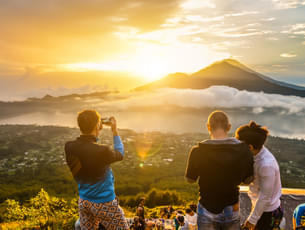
(167, 110)
(213, 97)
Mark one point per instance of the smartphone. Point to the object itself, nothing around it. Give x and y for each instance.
(106, 121)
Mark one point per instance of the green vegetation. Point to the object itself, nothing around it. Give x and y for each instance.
(40, 212)
(49, 212)
(153, 199)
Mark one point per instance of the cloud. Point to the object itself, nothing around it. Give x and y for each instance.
(272, 39)
(59, 91)
(67, 31)
(288, 4)
(296, 29)
(243, 13)
(35, 82)
(195, 4)
(75, 31)
(268, 19)
(213, 97)
(230, 22)
(288, 55)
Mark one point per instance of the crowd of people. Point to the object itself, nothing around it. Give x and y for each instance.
(169, 219)
(219, 165)
(186, 219)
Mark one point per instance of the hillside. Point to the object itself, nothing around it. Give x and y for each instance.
(32, 157)
(229, 73)
(49, 104)
(37, 84)
(48, 212)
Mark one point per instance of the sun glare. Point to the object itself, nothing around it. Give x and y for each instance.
(149, 68)
(152, 62)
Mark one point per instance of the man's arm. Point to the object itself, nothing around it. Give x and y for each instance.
(191, 172)
(117, 142)
(118, 145)
(72, 161)
(267, 178)
(118, 153)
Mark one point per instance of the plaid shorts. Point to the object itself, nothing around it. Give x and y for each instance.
(109, 214)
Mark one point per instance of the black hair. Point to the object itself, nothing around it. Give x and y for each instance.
(193, 207)
(188, 210)
(252, 134)
(180, 219)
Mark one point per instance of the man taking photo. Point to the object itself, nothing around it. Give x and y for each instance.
(221, 164)
(90, 163)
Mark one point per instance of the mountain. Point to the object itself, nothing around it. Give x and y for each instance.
(228, 72)
(37, 84)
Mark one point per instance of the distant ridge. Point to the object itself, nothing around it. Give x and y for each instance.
(228, 72)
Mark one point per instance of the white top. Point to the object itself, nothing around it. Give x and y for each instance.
(185, 226)
(192, 220)
(266, 189)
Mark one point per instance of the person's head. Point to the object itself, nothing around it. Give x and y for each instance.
(253, 135)
(193, 207)
(180, 212)
(150, 225)
(89, 122)
(180, 220)
(159, 225)
(142, 201)
(189, 211)
(136, 219)
(218, 122)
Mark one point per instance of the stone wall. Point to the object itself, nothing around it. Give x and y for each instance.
(289, 203)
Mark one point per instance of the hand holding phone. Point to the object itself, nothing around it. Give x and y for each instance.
(110, 121)
(106, 121)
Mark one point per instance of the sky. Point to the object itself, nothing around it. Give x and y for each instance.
(150, 38)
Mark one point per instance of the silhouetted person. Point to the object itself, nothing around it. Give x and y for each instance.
(90, 163)
(266, 189)
(183, 224)
(191, 218)
(141, 212)
(220, 165)
(136, 225)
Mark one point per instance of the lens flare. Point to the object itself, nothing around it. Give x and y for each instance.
(145, 145)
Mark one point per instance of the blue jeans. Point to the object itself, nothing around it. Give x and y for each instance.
(228, 219)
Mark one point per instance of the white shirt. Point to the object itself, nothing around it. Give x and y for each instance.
(265, 190)
(185, 226)
(192, 220)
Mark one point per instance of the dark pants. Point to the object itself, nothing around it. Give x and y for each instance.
(270, 220)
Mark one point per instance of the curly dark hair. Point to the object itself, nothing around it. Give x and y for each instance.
(252, 134)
